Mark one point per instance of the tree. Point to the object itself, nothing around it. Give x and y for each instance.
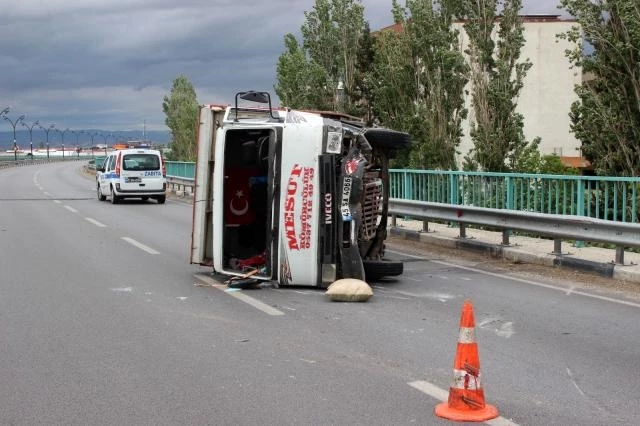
(331, 37)
(606, 118)
(420, 75)
(497, 76)
(301, 83)
(181, 108)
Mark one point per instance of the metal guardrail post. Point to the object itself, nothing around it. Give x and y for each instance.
(463, 230)
(394, 221)
(620, 255)
(505, 237)
(557, 246)
(425, 226)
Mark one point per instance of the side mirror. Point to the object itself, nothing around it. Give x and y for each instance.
(100, 169)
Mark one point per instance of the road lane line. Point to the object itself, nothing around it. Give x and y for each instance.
(57, 201)
(521, 280)
(71, 209)
(269, 310)
(140, 245)
(95, 222)
(442, 395)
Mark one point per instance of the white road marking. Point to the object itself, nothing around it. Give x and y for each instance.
(122, 290)
(140, 245)
(95, 222)
(57, 201)
(522, 280)
(574, 382)
(442, 396)
(46, 193)
(71, 209)
(240, 296)
(413, 279)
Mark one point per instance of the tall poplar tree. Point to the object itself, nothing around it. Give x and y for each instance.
(181, 110)
(606, 118)
(497, 75)
(331, 38)
(420, 75)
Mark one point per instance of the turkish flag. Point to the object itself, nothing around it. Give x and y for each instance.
(237, 196)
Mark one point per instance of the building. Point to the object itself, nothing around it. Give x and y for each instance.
(548, 92)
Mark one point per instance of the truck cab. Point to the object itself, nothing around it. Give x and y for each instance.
(292, 197)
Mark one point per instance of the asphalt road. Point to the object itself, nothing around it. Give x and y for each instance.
(103, 321)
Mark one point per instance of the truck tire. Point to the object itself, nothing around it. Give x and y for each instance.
(161, 199)
(101, 196)
(387, 139)
(376, 269)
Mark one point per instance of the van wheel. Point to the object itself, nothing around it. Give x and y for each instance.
(101, 196)
(114, 198)
(161, 199)
(376, 269)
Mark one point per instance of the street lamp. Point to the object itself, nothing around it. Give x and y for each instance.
(47, 130)
(14, 124)
(30, 134)
(77, 133)
(62, 132)
(105, 142)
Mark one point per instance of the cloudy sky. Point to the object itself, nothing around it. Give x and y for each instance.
(107, 64)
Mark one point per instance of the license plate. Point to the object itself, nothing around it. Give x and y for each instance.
(133, 179)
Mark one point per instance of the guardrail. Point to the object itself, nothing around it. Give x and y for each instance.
(29, 162)
(556, 226)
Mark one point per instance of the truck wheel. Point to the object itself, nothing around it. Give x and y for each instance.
(161, 199)
(376, 269)
(387, 139)
(101, 196)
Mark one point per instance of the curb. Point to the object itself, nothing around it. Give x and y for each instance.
(517, 254)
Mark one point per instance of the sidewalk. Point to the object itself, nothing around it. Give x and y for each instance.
(524, 249)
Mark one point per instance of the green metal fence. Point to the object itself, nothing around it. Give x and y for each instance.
(608, 198)
(181, 169)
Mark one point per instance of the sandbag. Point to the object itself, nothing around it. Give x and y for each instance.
(349, 290)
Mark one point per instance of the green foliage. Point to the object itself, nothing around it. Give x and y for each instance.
(420, 75)
(301, 83)
(497, 76)
(331, 34)
(181, 110)
(607, 116)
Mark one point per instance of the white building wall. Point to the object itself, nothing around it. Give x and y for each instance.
(548, 92)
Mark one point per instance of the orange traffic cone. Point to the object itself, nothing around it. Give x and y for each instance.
(466, 397)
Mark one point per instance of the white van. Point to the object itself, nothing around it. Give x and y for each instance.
(292, 197)
(132, 173)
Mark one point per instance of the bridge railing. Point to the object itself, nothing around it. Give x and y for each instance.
(608, 198)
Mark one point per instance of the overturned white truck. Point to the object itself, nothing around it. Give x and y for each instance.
(292, 197)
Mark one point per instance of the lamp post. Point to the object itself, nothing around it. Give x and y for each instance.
(14, 124)
(77, 134)
(47, 130)
(30, 134)
(105, 142)
(62, 132)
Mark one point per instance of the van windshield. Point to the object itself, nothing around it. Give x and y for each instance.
(141, 162)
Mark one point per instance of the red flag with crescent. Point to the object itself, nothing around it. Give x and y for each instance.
(237, 196)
